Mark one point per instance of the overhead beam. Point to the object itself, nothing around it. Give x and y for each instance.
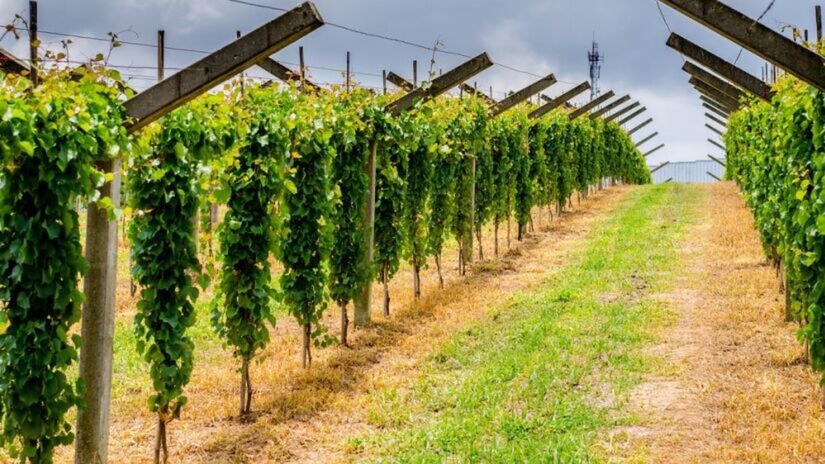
(717, 160)
(639, 127)
(718, 145)
(646, 139)
(713, 93)
(441, 83)
(594, 103)
(622, 112)
(632, 116)
(653, 151)
(473, 91)
(218, 66)
(716, 104)
(713, 81)
(553, 103)
(287, 75)
(11, 64)
(523, 94)
(715, 110)
(400, 82)
(721, 67)
(716, 120)
(720, 133)
(713, 175)
(610, 107)
(659, 167)
(756, 37)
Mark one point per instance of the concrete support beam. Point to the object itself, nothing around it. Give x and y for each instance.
(738, 76)
(400, 82)
(718, 145)
(639, 127)
(713, 81)
(646, 139)
(441, 83)
(714, 93)
(715, 104)
(610, 107)
(659, 167)
(653, 151)
(523, 94)
(717, 131)
(553, 103)
(756, 37)
(10, 64)
(467, 88)
(632, 116)
(594, 103)
(715, 110)
(713, 175)
(215, 68)
(287, 75)
(718, 160)
(622, 112)
(716, 120)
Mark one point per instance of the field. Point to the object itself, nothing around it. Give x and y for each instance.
(643, 326)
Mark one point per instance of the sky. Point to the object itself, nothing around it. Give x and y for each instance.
(535, 37)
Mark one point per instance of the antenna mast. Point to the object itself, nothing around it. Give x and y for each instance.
(596, 59)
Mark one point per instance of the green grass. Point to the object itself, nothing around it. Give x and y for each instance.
(551, 371)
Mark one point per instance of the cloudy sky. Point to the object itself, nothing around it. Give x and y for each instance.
(536, 36)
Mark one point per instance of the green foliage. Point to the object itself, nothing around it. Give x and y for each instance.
(252, 181)
(51, 138)
(164, 195)
(776, 153)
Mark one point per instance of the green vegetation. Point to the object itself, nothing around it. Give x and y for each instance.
(552, 369)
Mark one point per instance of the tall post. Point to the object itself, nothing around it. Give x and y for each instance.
(348, 72)
(384, 80)
(161, 53)
(818, 10)
(98, 324)
(415, 73)
(33, 43)
(362, 301)
(301, 65)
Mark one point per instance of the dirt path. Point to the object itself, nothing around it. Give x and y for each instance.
(306, 416)
(738, 389)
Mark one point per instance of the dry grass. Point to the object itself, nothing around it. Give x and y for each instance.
(306, 416)
(741, 392)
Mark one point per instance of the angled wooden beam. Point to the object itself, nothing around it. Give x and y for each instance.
(639, 127)
(713, 175)
(646, 139)
(715, 110)
(668, 181)
(756, 37)
(220, 65)
(716, 120)
(553, 103)
(473, 91)
(717, 131)
(632, 116)
(659, 167)
(713, 93)
(11, 64)
(718, 145)
(721, 67)
(718, 160)
(653, 151)
(287, 75)
(622, 112)
(400, 82)
(523, 94)
(594, 103)
(609, 107)
(713, 81)
(715, 104)
(441, 83)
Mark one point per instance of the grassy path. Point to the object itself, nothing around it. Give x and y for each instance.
(552, 370)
